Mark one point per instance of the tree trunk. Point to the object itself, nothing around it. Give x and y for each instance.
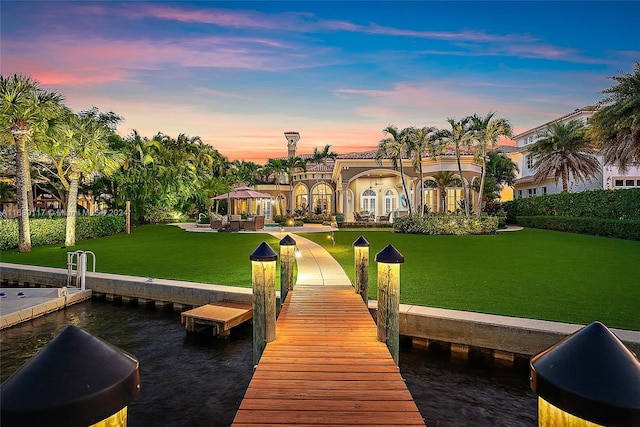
(72, 202)
(27, 181)
(421, 190)
(464, 187)
(404, 186)
(22, 196)
(565, 180)
(480, 195)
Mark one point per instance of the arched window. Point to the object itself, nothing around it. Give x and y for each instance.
(368, 201)
(301, 198)
(390, 201)
(321, 198)
(455, 196)
(430, 195)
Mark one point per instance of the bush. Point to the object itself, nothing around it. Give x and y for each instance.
(595, 226)
(605, 204)
(446, 224)
(47, 231)
(156, 215)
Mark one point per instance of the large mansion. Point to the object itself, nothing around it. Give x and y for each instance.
(356, 183)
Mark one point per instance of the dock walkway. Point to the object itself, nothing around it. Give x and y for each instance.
(326, 367)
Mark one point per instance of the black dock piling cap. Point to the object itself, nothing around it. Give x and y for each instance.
(287, 241)
(75, 380)
(361, 242)
(390, 255)
(592, 375)
(263, 253)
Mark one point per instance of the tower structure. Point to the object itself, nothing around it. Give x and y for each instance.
(292, 140)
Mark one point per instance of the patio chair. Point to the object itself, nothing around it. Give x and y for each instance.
(216, 223)
(254, 224)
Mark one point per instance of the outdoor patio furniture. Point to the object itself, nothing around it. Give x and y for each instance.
(254, 224)
(383, 218)
(216, 223)
(236, 225)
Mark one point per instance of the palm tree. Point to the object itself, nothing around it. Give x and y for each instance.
(322, 156)
(24, 111)
(443, 180)
(460, 135)
(393, 148)
(501, 171)
(419, 141)
(564, 150)
(617, 125)
(78, 147)
(291, 165)
(140, 178)
(486, 131)
(276, 167)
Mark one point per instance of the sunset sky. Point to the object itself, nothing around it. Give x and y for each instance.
(239, 74)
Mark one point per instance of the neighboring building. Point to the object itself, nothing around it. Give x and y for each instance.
(609, 177)
(525, 185)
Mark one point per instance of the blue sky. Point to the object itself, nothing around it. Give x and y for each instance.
(239, 74)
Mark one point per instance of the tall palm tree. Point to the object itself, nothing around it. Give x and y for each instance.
(564, 150)
(419, 141)
(616, 126)
(443, 180)
(394, 148)
(486, 132)
(459, 136)
(291, 165)
(24, 111)
(276, 167)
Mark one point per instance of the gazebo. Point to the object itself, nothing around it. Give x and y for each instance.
(246, 200)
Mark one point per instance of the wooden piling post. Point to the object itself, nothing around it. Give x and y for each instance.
(389, 260)
(361, 258)
(287, 257)
(128, 216)
(263, 279)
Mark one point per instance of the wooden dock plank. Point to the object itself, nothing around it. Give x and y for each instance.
(326, 368)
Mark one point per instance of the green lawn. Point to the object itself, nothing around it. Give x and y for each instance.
(161, 251)
(531, 273)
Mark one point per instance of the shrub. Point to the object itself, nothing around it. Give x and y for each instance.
(606, 204)
(156, 215)
(595, 226)
(446, 224)
(47, 231)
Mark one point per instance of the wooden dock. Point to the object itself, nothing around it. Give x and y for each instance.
(326, 368)
(221, 315)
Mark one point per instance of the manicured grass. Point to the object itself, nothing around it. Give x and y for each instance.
(161, 251)
(532, 273)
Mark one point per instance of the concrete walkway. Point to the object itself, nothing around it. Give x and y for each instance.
(315, 265)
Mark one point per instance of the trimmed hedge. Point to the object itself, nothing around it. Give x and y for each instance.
(446, 224)
(606, 204)
(595, 226)
(610, 213)
(47, 231)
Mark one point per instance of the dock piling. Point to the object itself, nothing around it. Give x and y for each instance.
(389, 260)
(263, 279)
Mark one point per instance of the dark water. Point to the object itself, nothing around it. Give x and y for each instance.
(200, 381)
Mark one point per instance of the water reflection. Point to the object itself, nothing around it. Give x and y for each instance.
(200, 381)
